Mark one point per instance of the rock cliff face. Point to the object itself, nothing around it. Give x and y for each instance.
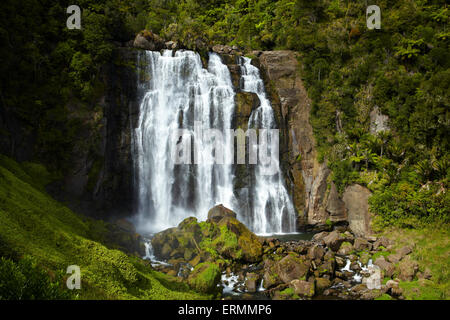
(356, 201)
(100, 182)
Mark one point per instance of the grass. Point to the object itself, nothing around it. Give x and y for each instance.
(432, 251)
(32, 224)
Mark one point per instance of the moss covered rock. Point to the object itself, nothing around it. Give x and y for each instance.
(221, 237)
(205, 277)
(240, 243)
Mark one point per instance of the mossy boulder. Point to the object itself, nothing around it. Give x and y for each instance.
(180, 242)
(237, 242)
(322, 284)
(271, 277)
(345, 249)
(291, 267)
(205, 277)
(222, 236)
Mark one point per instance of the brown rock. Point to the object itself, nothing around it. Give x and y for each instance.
(404, 251)
(322, 284)
(292, 267)
(356, 202)
(316, 252)
(149, 41)
(302, 288)
(393, 288)
(340, 262)
(335, 206)
(382, 241)
(407, 269)
(251, 282)
(345, 249)
(334, 240)
(320, 236)
(361, 244)
(386, 267)
(394, 258)
(218, 212)
(292, 107)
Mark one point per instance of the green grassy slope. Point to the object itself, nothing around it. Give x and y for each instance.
(32, 224)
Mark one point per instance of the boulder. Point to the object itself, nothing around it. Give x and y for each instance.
(302, 288)
(356, 202)
(340, 262)
(349, 237)
(407, 269)
(320, 236)
(345, 249)
(404, 251)
(218, 212)
(205, 277)
(164, 243)
(292, 267)
(354, 266)
(149, 41)
(393, 288)
(228, 238)
(361, 244)
(271, 278)
(334, 240)
(251, 282)
(394, 258)
(322, 284)
(386, 267)
(316, 252)
(244, 245)
(381, 242)
(328, 265)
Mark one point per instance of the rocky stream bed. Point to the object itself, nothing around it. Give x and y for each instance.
(222, 257)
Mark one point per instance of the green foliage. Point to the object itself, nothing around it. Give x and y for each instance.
(25, 280)
(34, 225)
(403, 204)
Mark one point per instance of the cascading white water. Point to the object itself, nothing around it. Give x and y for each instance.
(180, 93)
(273, 211)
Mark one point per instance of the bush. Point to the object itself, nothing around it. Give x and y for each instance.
(25, 280)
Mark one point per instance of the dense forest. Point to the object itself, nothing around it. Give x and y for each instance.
(403, 69)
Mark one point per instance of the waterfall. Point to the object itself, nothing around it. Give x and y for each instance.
(178, 93)
(273, 211)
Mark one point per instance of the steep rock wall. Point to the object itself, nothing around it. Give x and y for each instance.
(100, 182)
(314, 196)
